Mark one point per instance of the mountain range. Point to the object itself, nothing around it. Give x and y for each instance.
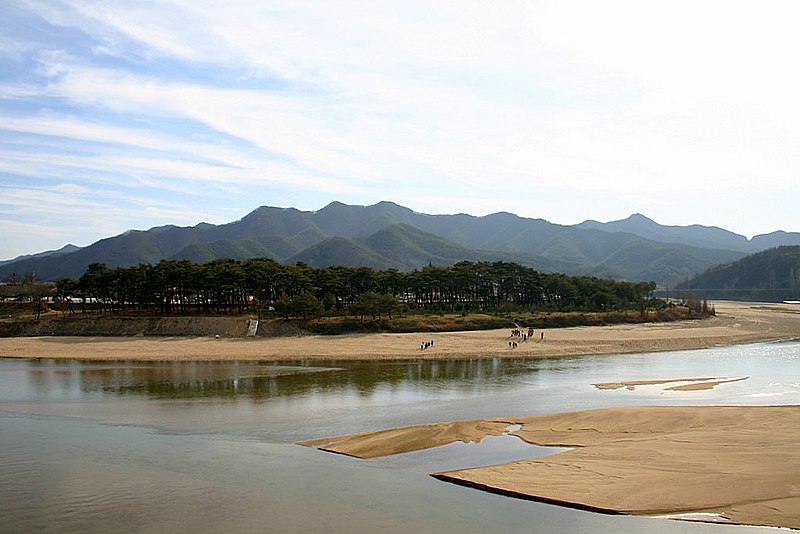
(770, 275)
(386, 235)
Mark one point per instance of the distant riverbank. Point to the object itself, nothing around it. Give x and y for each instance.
(20, 320)
(735, 323)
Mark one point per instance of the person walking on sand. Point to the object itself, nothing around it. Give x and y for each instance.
(542, 338)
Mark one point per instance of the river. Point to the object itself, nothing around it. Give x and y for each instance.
(210, 447)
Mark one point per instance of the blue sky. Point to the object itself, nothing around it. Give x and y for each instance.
(128, 115)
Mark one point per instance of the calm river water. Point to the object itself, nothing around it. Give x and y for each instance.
(209, 447)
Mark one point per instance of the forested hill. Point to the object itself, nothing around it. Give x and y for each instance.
(771, 275)
(386, 235)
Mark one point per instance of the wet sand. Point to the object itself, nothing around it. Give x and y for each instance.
(730, 464)
(735, 323)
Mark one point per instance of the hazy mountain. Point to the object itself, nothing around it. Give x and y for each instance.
(772, 274)
(694, 235)
(341, 251)
(361, 221)
(776, 239)
(66, 249)
(127, 249)
(386, 235)
(411, 248)
(273, 248)
(404, 247)
(666, 263)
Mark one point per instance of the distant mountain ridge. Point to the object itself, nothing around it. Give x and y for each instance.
(387, 235)
(769, 275)
(66, 249)
(695, 234)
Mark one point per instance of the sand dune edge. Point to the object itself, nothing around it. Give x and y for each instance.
(736, 463)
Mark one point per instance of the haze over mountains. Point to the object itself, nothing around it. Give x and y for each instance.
(386, 235)
(769, 275)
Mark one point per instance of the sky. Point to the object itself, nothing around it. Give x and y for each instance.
(133, 114)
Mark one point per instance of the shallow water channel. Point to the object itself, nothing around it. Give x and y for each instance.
(210, 447)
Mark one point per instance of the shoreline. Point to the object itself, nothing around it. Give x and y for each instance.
(721, 462)
(735, 323)
(726, 462)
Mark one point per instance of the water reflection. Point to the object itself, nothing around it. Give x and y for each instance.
(205, 447)
(563, 383)
(260, 381)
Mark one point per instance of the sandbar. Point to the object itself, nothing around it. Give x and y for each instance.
(735, 323)
(693, 384)
(735, 464)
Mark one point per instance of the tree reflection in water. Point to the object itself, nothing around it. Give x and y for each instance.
(260, 381)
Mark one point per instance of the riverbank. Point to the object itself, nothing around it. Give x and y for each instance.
(727, 464)
(735, 323)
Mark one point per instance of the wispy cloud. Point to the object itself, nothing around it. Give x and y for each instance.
(560, 110)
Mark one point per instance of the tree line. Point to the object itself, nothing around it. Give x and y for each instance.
(261, 286)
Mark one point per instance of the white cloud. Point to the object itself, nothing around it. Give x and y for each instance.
(460, 103)
(323, 134)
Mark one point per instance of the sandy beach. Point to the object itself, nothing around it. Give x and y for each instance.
(735, 323)
(719, 463)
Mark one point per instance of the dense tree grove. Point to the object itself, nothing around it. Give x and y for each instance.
(262, 285)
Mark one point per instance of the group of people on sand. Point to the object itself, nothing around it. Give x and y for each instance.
(522, 335)
(516, 334)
